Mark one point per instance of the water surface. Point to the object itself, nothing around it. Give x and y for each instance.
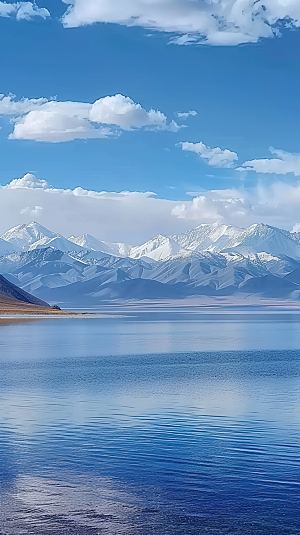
(154, 424)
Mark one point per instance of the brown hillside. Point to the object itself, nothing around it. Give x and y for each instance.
(13, 300)
(13, 306)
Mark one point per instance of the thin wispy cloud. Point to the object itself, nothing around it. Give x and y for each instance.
(186, 114)
(282, 164)
(216, 157)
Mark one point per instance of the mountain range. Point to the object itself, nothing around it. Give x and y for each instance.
(209, 260)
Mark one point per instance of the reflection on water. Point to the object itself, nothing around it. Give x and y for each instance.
(50, 506)
(128, 426)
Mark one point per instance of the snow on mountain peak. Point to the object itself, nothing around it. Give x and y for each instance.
(211, 237)
(211, 259)
(25, 235)
(56, 242)
(159, 248)
(261, 238)
(89, 242)
(7, 248)
(214, 238)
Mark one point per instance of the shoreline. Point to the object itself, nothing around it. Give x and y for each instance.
(70, 315)
(131, 308)
(196, 305)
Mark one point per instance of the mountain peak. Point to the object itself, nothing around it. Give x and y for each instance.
(92, 244)
(159, 248)
(26, 234)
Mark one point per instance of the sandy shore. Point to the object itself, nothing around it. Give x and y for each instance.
(12, 310)
(12, 307)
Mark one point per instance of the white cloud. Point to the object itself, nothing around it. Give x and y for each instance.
(123, 112)
(56, 126)
(112, 216)
(28, 181)
(10, 106)
(186, 114)
(53, 121)
(284, 164)
(215, 157)
(23, 10)
(35, 212)
(213, 22)
(276, 204)
(134, 217)
(215, 206)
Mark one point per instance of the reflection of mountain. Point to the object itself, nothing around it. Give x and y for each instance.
(212, 260)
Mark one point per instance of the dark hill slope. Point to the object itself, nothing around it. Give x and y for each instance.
(14, 301)
(10, 290)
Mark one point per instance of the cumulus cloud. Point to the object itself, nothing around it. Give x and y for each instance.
(124, 216)
(186, 114)
(56, 125)
(53, 121)
(276, 204)
(212, 22)
(35, 212)
(28, 181)
(225, 206)
(23, 10)
(215, 157)
(284, 164)
(135, 217)
(123, 112)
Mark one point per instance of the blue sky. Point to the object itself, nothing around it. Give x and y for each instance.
(246, 98)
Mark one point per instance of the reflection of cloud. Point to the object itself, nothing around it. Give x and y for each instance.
(222, 399)
(72, 504)
(24, 414)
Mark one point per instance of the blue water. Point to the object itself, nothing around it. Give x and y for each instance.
(151, 425)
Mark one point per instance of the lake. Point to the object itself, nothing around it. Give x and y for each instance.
(160, 423)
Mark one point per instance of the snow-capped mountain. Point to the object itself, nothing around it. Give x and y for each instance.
(25, 235)
(6, 247)
(263, 238)
(255, 239)
(213, 238)
(57, 242)
(89, 242)
(218, 238)
(212, 260)
(159, 248)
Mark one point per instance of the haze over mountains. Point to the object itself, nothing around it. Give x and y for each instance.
(210, 260)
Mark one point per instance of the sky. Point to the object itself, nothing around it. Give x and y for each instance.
(129, 119)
